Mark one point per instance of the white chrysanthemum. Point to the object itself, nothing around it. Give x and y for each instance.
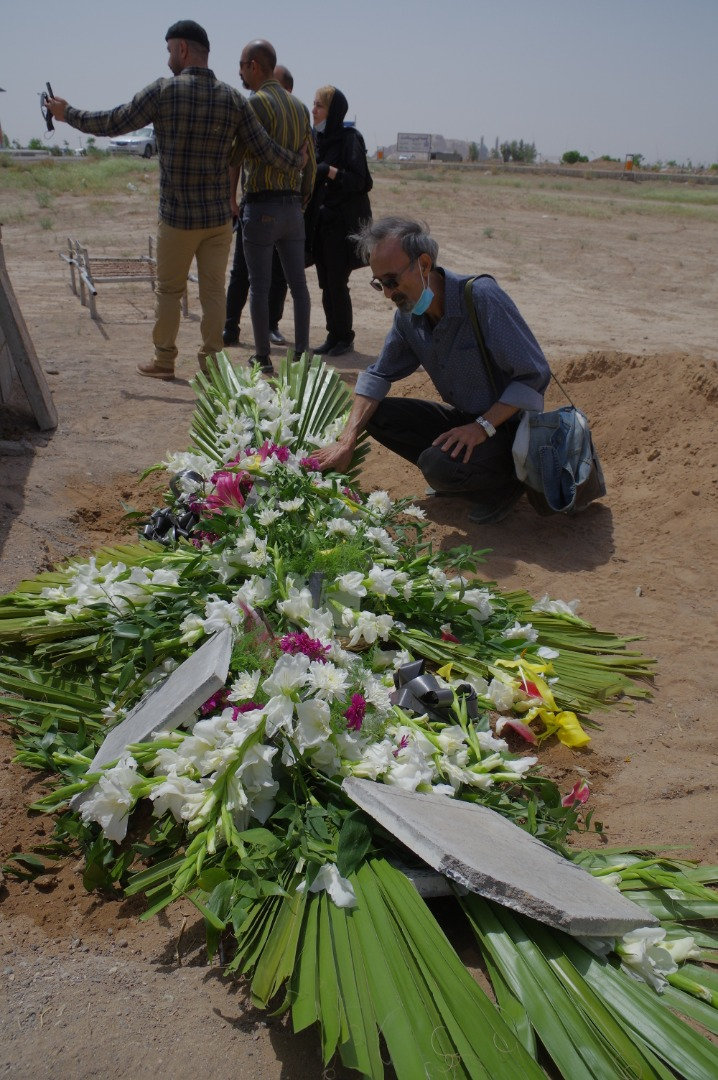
(267, 516)
(245, 686)
(381, 538)
(377, 695)
(414, 512)
(257, 556)
(289, 505)
(191, 629)
(112, 799)
(327, 681)
(340, 526)
(379, 503)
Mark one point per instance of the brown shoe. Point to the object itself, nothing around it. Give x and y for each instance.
(154, 371)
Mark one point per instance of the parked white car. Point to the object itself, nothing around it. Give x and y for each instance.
(142, 143)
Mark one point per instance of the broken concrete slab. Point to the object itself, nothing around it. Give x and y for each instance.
(489, 855)
(173, 702)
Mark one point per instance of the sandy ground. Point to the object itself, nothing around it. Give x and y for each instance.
(621, 290)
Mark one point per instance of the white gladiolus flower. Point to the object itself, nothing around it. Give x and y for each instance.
(479, 600)
(339, 889)
(367, 625)
(452, 739)
(437, 577)
(111, 799)
(188, 461)
(179, 794)
(501, 695)
(313, 725)
(556, 607)
(279, 711)
(490, 745)
(381, 581)
(298, 606)
(526, 632)
(219, 613)
(547, 653)
(352, 584)
(290, 674)
(376, 759)
(254, 592)
(643, 951)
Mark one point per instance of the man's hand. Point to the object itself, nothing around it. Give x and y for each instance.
(461, 438)
(334, 458)
(57, 106)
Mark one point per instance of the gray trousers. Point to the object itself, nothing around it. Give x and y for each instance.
(277, 222)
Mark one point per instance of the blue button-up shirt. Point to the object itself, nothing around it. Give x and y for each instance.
(450, 355)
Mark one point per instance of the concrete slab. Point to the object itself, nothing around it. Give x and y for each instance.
(171, 703)
(489, 855)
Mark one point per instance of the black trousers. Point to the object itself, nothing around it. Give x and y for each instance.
(332, 261)
(408, 426)
(238, 287)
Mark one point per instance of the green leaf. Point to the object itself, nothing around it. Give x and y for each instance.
(355, 840)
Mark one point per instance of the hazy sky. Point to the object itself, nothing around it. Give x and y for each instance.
(599, 76)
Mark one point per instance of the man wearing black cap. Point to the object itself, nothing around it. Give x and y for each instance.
(198, 121)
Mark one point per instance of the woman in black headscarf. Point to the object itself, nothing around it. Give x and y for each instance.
(339, 205)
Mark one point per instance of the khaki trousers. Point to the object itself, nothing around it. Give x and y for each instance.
(175, 250)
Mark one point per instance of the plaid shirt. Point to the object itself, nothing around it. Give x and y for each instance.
(287, 121)
(449, 354)
(199, 124)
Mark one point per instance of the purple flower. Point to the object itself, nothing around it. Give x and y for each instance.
(249, 706)
(403, 743)
(356, 712)
(301, 642)
(215, 703)
(309, 463)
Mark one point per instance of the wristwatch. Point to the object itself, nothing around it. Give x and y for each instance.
(486, 425)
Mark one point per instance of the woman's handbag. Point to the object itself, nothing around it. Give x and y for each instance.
(554, 455)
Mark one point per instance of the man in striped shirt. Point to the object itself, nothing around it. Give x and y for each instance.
(200, 123)
(274, 199)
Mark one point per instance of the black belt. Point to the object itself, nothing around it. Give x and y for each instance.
(272, 196)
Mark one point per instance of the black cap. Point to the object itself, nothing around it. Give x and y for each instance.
(188, 30)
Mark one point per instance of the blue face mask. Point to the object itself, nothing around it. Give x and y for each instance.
(424, 302)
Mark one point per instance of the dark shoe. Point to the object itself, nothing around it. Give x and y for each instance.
(230, 337)
(341, 348)
(264, 364)
(276, 336)
(154, 371)
(323, 349)
(492, 511)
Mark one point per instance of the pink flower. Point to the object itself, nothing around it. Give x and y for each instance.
(579, 793)
(301, 642)
(267, 449)
(249, 706)
(230, 489)
(518, 726)
(447, 636)
(356, 712)
(403, 743)
(309, 463)
(215, 703)
(351, 495)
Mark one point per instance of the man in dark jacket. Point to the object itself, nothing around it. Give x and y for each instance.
(340, 205)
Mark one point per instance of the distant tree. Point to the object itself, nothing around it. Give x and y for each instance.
(637, 161)
(572, 157)
(473, 152)
(35, 144)
(5, 142)
(518, 151)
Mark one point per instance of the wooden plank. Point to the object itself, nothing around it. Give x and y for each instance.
(17, 354)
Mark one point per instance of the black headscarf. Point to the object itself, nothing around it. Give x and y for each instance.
(331, 140)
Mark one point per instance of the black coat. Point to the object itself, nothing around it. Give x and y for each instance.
(340, 205)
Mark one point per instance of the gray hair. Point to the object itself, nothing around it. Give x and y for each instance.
(413, 236)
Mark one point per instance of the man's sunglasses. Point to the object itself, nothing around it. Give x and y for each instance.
(391, 280)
